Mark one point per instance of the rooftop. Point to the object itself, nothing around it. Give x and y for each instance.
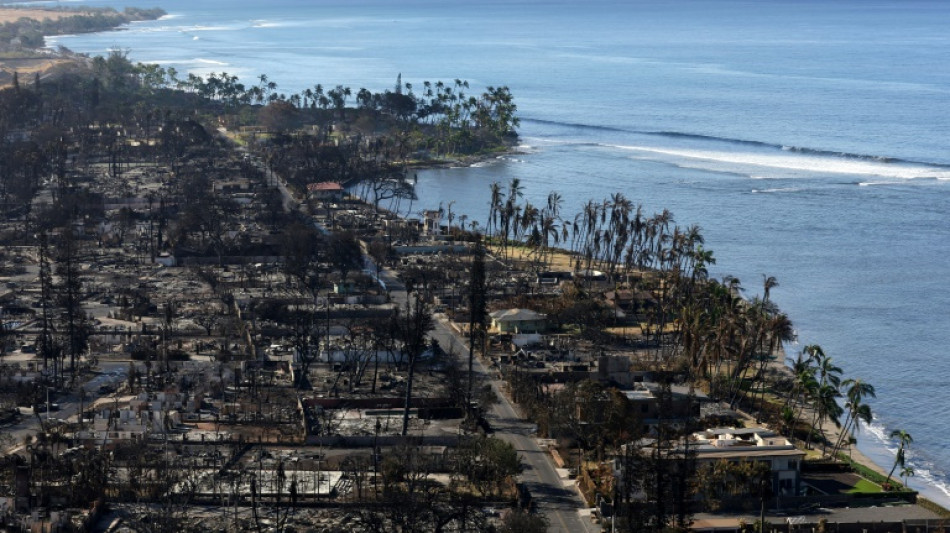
(516, 315)
(324, 186)
(744, 441)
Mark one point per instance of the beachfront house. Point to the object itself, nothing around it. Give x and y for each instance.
(724, 455)
(432, 221)
(753, 445)
(326, 191)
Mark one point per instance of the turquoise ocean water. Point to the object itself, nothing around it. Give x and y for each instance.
(808, 139)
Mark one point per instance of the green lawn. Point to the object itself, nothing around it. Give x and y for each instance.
(864, 486)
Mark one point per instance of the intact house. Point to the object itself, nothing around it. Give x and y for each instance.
(732, 447)
(326, 191)
(753, 445)
(518, 321)
(432, 221)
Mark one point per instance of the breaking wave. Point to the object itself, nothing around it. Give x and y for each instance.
(755, 158)
(742, 142)
(928, 477)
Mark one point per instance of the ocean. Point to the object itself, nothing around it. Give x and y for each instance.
(808, 139)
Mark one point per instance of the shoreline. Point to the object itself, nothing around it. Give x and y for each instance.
(469, 161)
(465, 161)
(27, 61)
(828, 428)
(865, 437)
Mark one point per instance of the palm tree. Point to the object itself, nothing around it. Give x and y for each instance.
(827, 408)
(768, 283)
(805, 386)
(903, 440)
(511, 212)
(907, 472)
(778, 330)
(788, 420)
(825, 393)
(549, 232)
(450, 216)
(828, 372)
(494, 208)
(701, 258)
(857, 391)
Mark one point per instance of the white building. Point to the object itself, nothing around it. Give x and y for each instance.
(754, 445)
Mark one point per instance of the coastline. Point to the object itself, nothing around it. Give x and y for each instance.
(12, 13)
(828, 428)
(832, 431)
(462, 161)
(855, 455)
(28, 53)
(881, 466)
(873, 450)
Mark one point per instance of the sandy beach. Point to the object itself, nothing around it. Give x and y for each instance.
(831, 431)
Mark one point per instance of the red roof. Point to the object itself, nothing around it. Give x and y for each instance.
(324, 186)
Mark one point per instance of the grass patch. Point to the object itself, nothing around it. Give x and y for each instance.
(864, 487)
(812, 454)
(866, 472)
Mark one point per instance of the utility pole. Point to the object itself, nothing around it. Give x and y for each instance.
(477, 313)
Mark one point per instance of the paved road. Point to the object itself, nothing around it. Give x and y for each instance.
(110, 373)
(290, 203)
(560, 504)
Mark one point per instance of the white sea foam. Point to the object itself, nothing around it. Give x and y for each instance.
(746, 161)
(622, 60)
(535, 141)
(776, 189)
(718, 70)
(188, 29)
(204, 61)
(164, 61)
(879, 432)
(266, 24)
(930, 479)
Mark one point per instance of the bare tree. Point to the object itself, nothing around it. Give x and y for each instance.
(412, 328)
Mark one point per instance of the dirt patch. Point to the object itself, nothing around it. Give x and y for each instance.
(26, 68)
(555, 259)
(8, 14)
